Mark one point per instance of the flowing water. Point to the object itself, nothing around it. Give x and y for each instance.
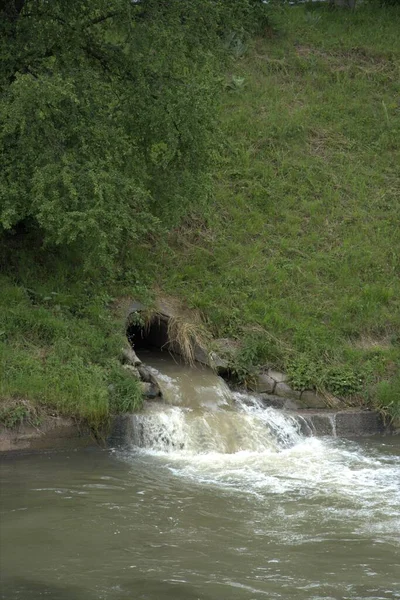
(212, 497)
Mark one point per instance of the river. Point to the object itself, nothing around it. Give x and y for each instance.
(277, 515)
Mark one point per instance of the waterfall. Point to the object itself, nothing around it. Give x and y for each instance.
(200, 415)
(246, 427)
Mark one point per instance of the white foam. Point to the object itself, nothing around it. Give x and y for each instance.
(236, 443)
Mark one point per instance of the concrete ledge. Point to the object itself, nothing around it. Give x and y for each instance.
(120, 430)
(345, 423)
(55, 433)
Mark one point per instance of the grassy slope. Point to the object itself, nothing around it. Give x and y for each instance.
(303, 238)
(59, 342)
(299, 250)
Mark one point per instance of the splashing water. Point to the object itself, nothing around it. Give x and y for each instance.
(212, 497)
(243, 426)
(211, 435)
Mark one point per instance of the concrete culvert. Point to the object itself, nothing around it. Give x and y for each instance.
(167, 330)
(149, 336)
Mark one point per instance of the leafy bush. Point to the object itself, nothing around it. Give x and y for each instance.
(342, 381)
(303, 373)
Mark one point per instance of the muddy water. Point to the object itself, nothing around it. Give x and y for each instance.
(186, 512)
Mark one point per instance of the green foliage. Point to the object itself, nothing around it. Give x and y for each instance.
(303, 372)
(108, 113)
(302, 239)
(58, 348)
(15, 413)
(342, 381)
(388, 397)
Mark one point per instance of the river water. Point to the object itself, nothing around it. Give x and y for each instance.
(217, 500)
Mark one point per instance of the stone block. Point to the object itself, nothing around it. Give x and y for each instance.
(358, 422)
(263, 384)
(145, 374)
(149, 390)
(132, 371)
(272, 401)
(322, 424)
(312, 399)
(285, 391)
(277, 376)
(129, 357)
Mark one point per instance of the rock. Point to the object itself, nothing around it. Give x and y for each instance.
(272, 401)
(150, 390)
(263, 384)
(136, 307)
(218, 363)
(224, 353)
(201, 355)
(129, 357)
(312, 399)
(277, 376)
(145, 374)
(132, 371)
(285, 391)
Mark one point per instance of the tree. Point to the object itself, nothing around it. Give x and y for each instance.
(107, 114)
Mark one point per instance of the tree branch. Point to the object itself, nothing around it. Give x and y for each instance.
(102, 18)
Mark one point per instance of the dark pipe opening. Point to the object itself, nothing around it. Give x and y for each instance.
(153, 336)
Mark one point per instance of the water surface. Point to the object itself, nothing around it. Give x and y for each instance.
(212, 497)
(318, 520)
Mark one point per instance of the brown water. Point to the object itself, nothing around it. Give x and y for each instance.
(181, 513)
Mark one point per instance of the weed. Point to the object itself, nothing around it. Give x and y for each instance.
(16, 412)
(388, 396)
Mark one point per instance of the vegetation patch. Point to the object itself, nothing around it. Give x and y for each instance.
(301, 241)
(254, 178)
(17, 412)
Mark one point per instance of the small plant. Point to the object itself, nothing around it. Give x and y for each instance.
(342, 381)
(16, 412)
(235, 44)
(236, 83)
(312, 18)
(257, 349)
(388, 397)
(303, 373)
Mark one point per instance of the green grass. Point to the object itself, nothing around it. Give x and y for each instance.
(299, 251)
(60, 343)
(297, 254)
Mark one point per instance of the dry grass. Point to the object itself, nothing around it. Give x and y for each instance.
(366, 342)
(186, 330)
(188, 337)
